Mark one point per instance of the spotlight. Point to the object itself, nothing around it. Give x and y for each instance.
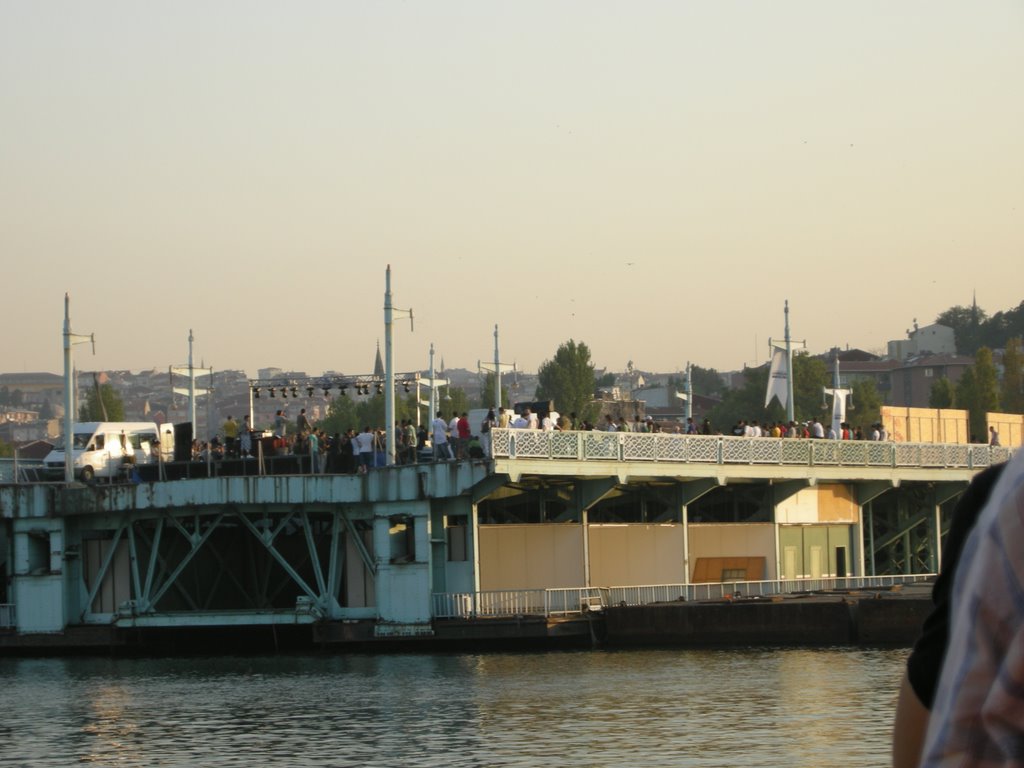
(380, 388)
(271, 391)
(256, 392)
(295, 392)
(284, 391)
(309, 392)
(344, 391)
(327, 392)
(405, 386)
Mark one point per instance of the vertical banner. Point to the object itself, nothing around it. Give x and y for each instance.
(778, 377)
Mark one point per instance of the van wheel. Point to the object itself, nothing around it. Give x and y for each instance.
(87, 475)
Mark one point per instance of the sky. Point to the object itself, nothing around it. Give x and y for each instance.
(654, 179)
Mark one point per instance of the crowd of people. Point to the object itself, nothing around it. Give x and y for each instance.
(812, 429)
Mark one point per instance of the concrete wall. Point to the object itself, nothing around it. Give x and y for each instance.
(833, 503)
(635, 554)
(531, 556)
(739, 540)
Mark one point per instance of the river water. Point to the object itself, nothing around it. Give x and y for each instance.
(755, 708)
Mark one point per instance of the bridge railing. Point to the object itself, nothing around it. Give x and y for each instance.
(704, 449)
(578, 600)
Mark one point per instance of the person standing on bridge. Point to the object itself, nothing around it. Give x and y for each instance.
(302, 424)
(439, 429)
(230, 436)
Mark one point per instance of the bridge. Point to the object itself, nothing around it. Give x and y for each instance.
(555, 525)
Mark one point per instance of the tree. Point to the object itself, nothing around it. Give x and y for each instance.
(92, 410)
(487, 393)
(977, 392)
(966, 323)
(568, 379)
(810, 376)
(608, 380)
(706, 381)
(1012, 393)
(867, 403)
(454, 400)
(943, 393)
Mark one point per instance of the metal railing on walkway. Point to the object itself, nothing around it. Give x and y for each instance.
(716, 449)
(576, 601)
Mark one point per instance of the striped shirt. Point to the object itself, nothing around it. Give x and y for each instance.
(978, 717)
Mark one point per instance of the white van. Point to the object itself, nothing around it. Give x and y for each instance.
(101, 448)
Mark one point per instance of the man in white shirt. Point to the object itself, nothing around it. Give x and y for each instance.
(531, 419)
(439, 430)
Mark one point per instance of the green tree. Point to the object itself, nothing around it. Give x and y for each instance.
(968, 327)
(1012, 393)
(942, 394)
(341, 416)
(92, 410)
(867, 403)
(706, 381)
(810, 376)
(487, 393)
(977, 392)
(607, 380)
(568, 379)
(453, 400)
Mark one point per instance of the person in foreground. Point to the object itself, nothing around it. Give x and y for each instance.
(917, 690)
(978, 715)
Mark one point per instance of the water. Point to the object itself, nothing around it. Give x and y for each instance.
(757, 708)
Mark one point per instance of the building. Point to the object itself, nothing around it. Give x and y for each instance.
(933, 339)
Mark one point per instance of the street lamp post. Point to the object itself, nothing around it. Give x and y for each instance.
(70, 339)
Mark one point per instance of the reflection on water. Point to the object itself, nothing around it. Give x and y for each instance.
(759, 708)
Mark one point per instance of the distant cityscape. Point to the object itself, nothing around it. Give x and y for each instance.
(31, 404)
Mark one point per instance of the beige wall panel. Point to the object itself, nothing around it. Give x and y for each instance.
(724, 540)
(531, 556)
(636, 554)
(1009, 426)
(924, 425)
(801, 507)
(836, 504)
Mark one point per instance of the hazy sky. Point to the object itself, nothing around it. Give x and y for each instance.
(651, 178)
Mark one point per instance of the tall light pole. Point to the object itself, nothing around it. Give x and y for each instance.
(70, 339)
(689, 390)
(496, 368)
(782, 368)
(191, 371)
(389, 366)
(838, 399)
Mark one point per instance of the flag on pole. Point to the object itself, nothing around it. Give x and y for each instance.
(778, 376)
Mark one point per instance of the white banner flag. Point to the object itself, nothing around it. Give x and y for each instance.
(778, 377)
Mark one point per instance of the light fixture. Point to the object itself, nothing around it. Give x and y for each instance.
(380, 388)
(295, 391)
(256, 392)
(284, 391)
(327, 392)
(309, 392)
(271, 391)
(344, 391)
(405, 386)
